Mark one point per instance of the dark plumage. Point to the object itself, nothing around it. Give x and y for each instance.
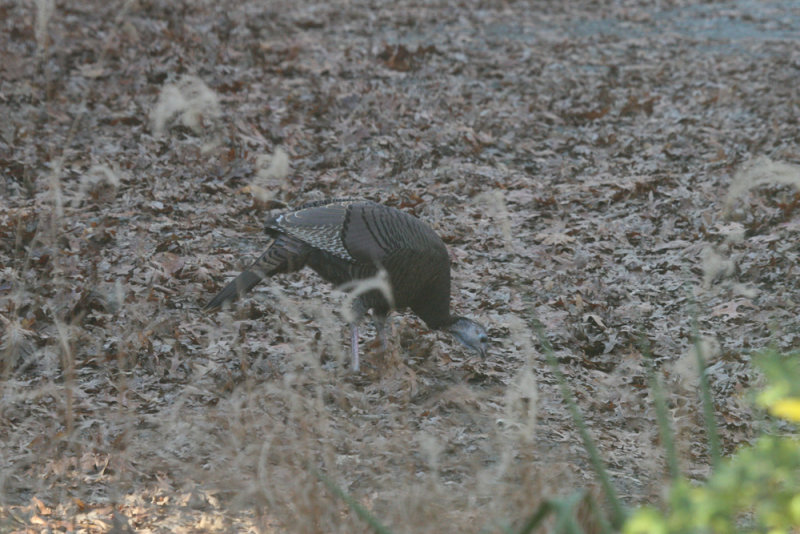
(345, 240)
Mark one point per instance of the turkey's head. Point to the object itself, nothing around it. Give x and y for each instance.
(470, 334)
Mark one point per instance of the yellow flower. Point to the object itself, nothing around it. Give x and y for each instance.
(645, 521)
(794, 508)
(788, 408)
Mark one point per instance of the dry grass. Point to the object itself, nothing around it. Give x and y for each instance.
(129, 416)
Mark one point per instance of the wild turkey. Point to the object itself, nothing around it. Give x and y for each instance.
(344, 240)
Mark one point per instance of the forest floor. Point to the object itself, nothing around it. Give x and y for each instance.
(624, 174)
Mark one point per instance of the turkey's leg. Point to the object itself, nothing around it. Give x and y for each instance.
(380, 322)
(354, 346)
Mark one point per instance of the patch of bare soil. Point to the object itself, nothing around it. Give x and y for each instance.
(616, 171)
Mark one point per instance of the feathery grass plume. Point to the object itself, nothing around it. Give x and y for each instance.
(715, 266)
(497, 207)
(760, 171)
(44, 12)
(272, 171)
(275, 165)
(686, 369)
(56, 193)
(191, 100)
(522, 395)
(757, 172)
(15, 343)
(356, 288)
(95, 179)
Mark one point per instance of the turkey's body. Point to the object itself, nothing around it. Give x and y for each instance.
(344, 240)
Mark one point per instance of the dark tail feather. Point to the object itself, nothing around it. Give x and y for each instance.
(286, 254)
(240, 285)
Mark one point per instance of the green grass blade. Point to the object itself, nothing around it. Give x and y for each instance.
(564, 510)
(541, 513)
(565, 513)
(662, 414)
(617, 510)
(708, 403)
(363, 513)
(597, 512)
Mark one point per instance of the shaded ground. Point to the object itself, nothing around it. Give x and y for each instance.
(608, 170)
